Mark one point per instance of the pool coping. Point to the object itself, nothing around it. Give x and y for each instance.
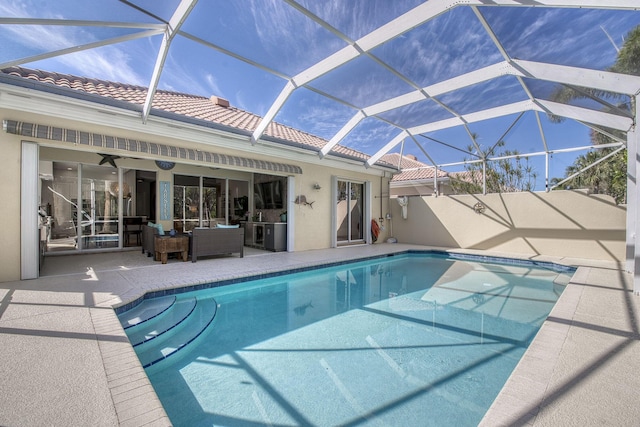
(128, 305)
(46, 315)
(497, 409)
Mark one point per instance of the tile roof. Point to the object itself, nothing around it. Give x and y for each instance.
(467, 176)
(214, 109)
(410, 162)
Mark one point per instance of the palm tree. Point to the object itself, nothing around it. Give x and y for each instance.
(502, 176)
(607, 177)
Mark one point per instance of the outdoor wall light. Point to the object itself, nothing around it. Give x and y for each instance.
(316, 186)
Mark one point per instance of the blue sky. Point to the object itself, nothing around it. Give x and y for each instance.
(285, 42)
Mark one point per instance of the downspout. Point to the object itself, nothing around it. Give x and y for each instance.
(435, 183)
(381, 218)
(546, 172)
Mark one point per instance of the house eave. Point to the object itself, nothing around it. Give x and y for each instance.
(48, 100)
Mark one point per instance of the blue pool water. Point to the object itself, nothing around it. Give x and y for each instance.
(398, 341)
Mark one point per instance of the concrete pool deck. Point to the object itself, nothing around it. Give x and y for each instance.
(65, 359)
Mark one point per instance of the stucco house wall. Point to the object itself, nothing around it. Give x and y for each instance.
(559, 223)
(312, 224)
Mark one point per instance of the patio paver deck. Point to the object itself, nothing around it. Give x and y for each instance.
(67, 361)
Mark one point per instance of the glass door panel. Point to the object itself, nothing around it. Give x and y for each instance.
(349, 212)
(97, 213)
(238, 201)
(356, 212)
(342, 230)
(58, 204)
(212, 208)
(186, 202)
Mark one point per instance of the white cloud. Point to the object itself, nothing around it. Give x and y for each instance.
(288, 40)
(108, 62)
(211, 81)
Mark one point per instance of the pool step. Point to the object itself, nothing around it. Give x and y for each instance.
(153, 351)
(146, 310)
(143, 332)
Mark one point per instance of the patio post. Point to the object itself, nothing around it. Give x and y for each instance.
(546, 172)
(632, 247)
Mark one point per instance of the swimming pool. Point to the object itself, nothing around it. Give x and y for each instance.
(412, 339)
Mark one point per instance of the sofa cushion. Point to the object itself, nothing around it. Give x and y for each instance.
(158, 227)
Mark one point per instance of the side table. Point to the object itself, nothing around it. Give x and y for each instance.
(164, 245)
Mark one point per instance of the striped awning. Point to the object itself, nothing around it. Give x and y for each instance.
(135, 146)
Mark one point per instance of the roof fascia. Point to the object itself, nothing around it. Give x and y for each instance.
(99, 103)
(344, 158)
(45, 99)
(425, 181)
(25, 87)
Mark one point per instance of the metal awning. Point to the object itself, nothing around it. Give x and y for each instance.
(134, 147)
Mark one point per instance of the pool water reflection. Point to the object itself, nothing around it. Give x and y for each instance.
(404, 340)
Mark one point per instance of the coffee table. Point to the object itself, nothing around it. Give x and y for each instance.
(164, 245)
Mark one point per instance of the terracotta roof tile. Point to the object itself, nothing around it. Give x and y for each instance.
(194, 106)
(416, 170)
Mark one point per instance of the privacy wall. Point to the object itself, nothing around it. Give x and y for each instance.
(559, 223)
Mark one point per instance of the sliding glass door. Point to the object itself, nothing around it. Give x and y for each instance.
(205, 202)
(80, 206)
(350, 212)
(59, 205)
(98, 208)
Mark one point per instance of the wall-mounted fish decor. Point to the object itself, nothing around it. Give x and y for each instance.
(302, 309)
(302, 200)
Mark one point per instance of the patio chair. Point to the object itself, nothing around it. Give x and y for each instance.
(132, 227)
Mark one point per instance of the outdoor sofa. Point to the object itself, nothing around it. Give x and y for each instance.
(203, 242)
(216, 241)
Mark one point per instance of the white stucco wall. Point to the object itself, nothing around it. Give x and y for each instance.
(559, 223)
